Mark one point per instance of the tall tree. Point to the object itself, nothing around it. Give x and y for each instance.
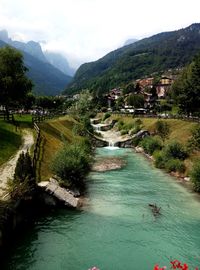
(186, 89)
(14, 85)
(137, 101)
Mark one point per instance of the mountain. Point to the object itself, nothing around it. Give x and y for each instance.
(47, 79)
(31, 47)
(156, 54)
(60, 62)
(130, 41)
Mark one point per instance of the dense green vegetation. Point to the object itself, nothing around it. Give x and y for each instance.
(186, 89)
(72, 163)
(14, 84)
(195, 176)
(23, 183)
(156, 54)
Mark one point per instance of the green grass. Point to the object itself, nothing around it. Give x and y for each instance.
(53, 132)
(10, 141)
(179, 131)
(24, 120)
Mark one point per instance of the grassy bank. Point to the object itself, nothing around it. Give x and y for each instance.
(53, 132)
(10, 140)
(180, 131)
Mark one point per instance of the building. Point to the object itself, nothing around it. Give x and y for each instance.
(164, 86)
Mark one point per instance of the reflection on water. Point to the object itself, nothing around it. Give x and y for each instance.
(116, 228)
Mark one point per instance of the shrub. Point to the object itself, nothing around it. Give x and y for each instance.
(105, 116)
(120, 124)
(124, 131)
(136, 141)
(195, 175)
(175, 150)
(23, 182)
(24, 168)
(151, 144)
(138, 122)
(194, 142)
(72, 163)
(175, 165)
(160, 159)
(162, 129)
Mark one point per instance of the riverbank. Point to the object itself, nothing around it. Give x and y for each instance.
(177, 176)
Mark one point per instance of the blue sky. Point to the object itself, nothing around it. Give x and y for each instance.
(85, 30)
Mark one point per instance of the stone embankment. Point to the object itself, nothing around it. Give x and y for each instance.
(54, 194)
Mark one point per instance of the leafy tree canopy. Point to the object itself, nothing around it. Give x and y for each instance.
(14, 85)
(186, 89)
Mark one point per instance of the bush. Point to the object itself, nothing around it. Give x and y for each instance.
(194, 142)
(24, 168)
(120, 125)
(195, 175)
(23, 182)
(162, 129)
(105, 116)
(175, 150)
(72, 163)
(151, 144)
(160, 159)
(136, 141)
(175, 165)
(138, 122)
(124, 131)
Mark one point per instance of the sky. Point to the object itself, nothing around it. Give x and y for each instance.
(86, 30)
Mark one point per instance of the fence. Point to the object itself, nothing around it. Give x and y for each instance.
(36, 151)
(179, 117)
(5, 117)
(39, 118)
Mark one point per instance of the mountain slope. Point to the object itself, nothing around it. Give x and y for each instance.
(47, 79)
(130, 41)
(60, 62)
(144, 57)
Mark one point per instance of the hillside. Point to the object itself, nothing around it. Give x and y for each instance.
(47, 79)
(155, 54)
(53, 132)
(60, 62)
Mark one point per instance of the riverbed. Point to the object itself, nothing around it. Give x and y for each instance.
(116, 228)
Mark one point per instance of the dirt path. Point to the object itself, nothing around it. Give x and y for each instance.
(7, 170)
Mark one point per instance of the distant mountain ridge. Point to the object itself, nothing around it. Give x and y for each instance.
(130, 41)
(47, 79)
(60, 62)
(167, 50)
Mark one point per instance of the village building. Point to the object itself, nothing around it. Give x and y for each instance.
(164, 86)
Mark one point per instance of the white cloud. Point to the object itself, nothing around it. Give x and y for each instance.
(85, 30)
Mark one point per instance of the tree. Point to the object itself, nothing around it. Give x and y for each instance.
(72, 163)
(186, 88)
(83, 105)
(137, 101)
(14, 85)
(129, 88)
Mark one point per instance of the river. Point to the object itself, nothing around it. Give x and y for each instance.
(116, 229)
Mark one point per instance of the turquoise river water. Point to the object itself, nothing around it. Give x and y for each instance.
(116, 229)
